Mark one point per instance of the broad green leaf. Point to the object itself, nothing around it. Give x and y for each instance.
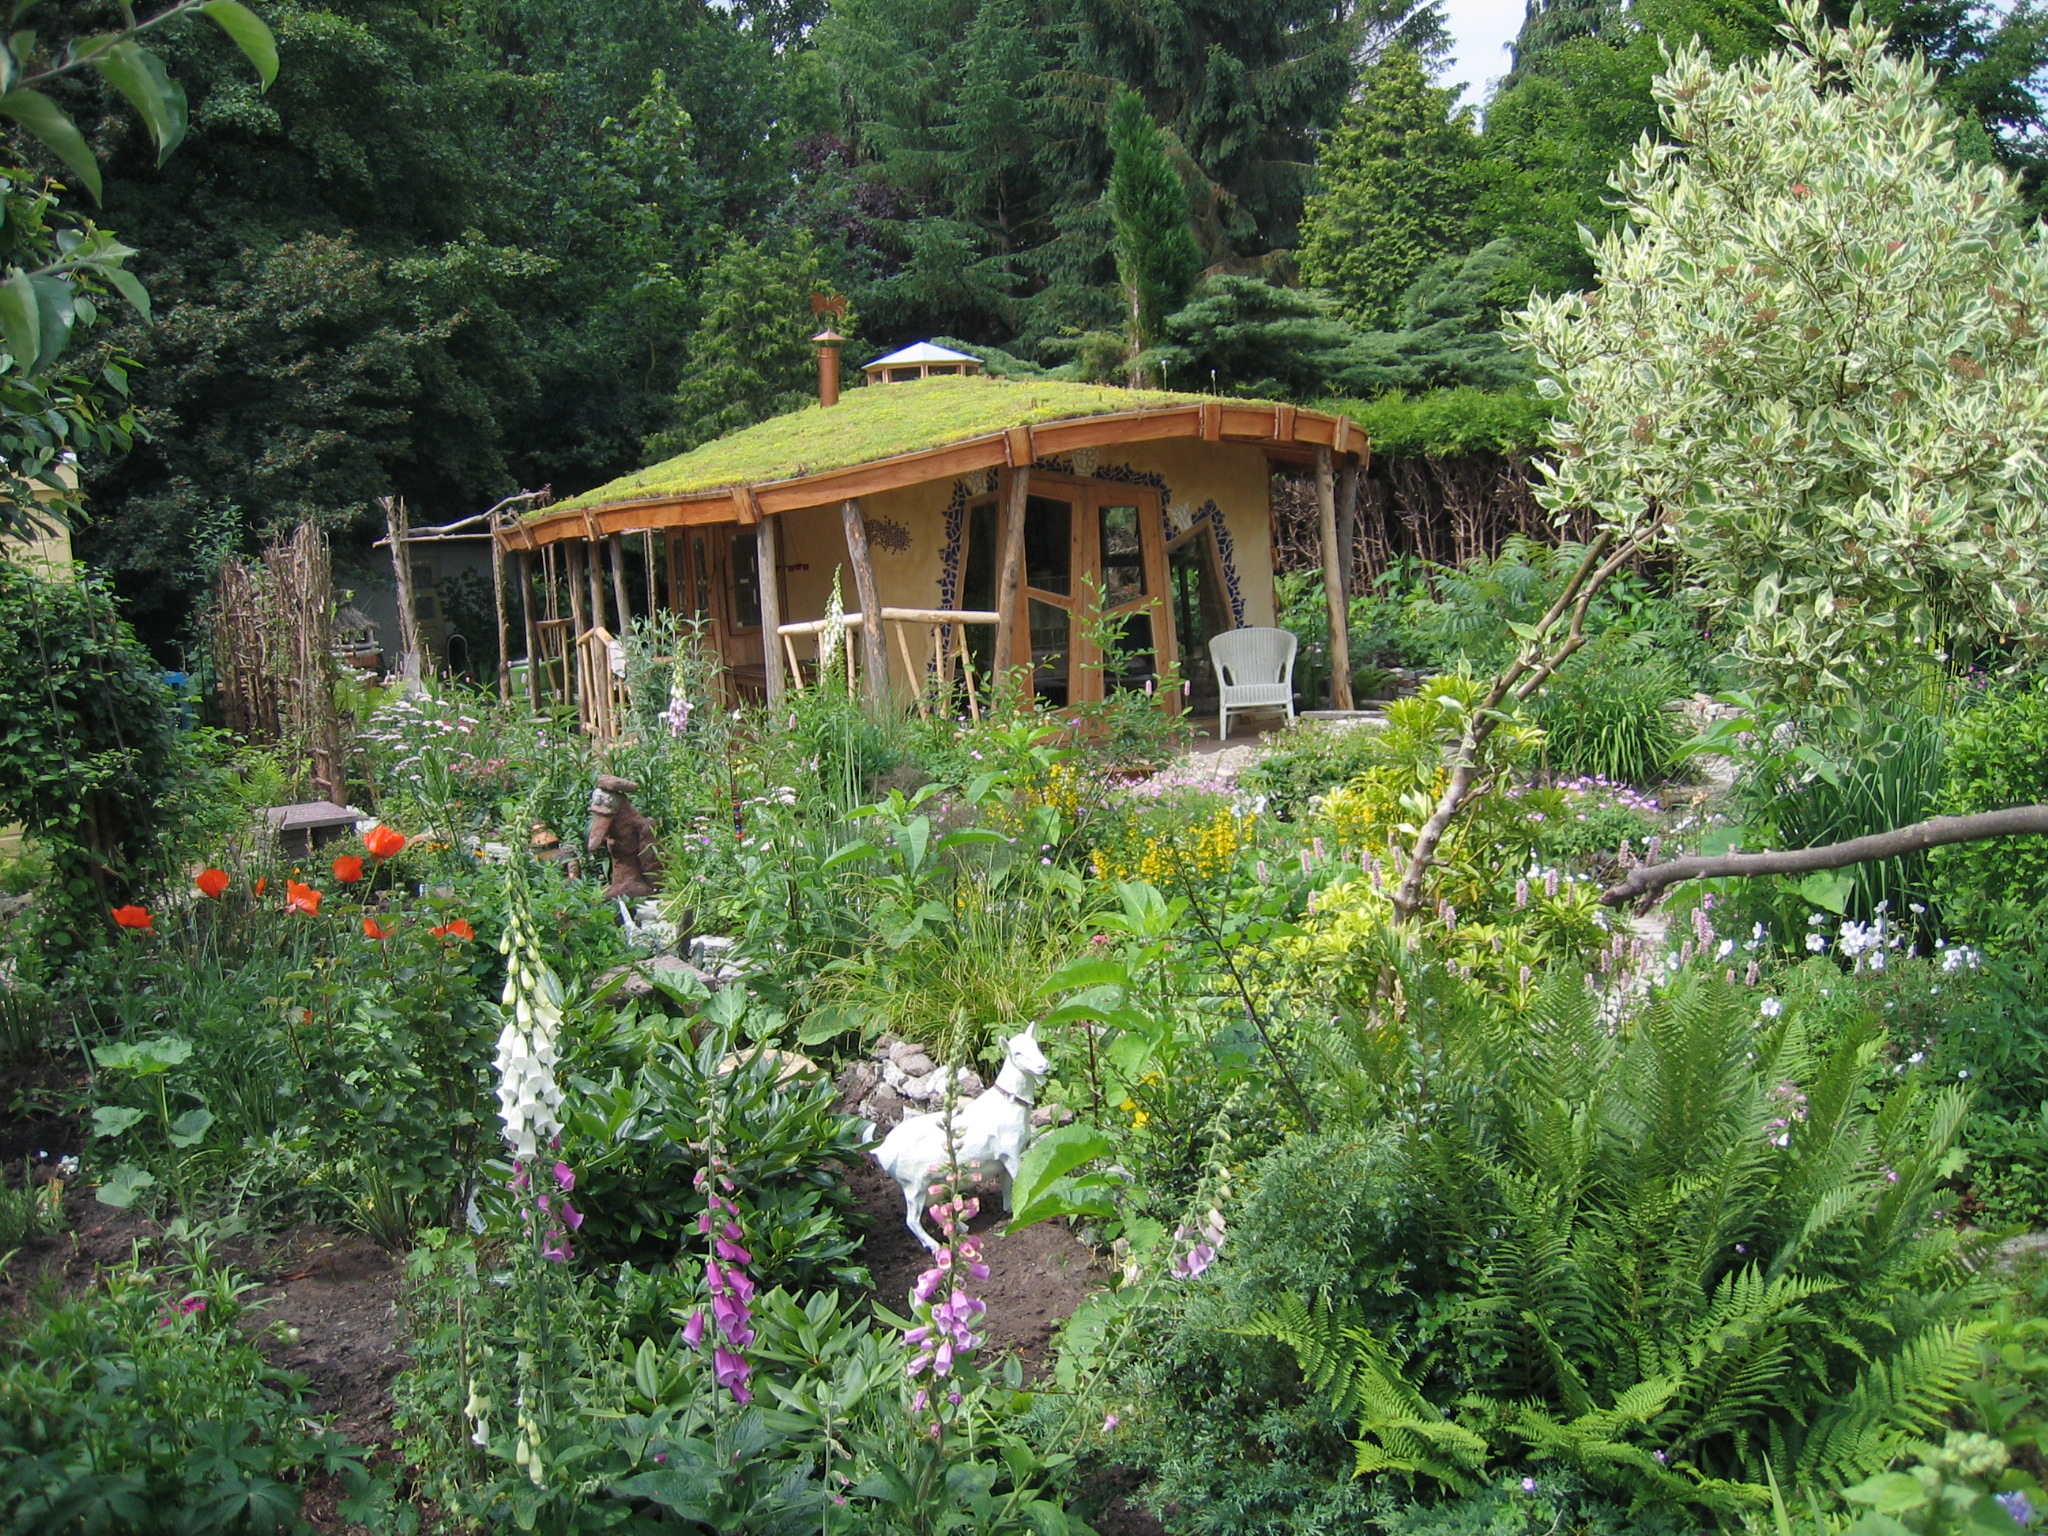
(145, 1058)
(1889, 1493)
(19, 322)
(1045, 1164)
(113, 1119)
(249, 34)
(158, 100)
(1087, 973)
(46, 120)
(130, 288)
(967, 836)
(123, 1185)
(847, 855)
(190, 1128)
(1829, 889)
(55, 311)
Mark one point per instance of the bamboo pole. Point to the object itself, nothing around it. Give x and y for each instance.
(1011, 568)
(1333, 581)
(767, 539)
(619, 600)
(532, 630)
(873, 656)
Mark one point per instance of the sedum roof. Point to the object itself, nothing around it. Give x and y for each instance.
(875, 421)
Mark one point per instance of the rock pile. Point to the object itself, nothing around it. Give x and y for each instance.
(899, 1078)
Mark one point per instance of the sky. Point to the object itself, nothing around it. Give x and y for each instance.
(1480, 33)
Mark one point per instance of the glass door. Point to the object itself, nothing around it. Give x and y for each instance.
(1094, 620)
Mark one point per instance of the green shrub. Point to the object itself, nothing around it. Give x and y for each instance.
(1597, 817)
(1997, 757)
(1672, 1261)
(1442, 423)
(144, 1406)
(1604, 715)
(1308, 759)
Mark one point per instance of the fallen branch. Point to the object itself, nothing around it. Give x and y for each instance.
(1646, 879)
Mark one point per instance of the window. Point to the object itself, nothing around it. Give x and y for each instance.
(746, 581)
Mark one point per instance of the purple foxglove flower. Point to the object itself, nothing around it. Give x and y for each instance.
(572, 1217)
(693, 1330)
(732, 1253)
(732, 1371)
(565, 1176)
(557, 1251)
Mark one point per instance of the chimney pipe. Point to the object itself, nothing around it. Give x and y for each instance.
(828, 341)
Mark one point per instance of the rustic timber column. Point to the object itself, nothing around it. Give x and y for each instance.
(1333, 581)
(1011, 568)
(1347, 524)
(532, 616)
(596, 575)
(768, 556)
(874, 659)
(572, 651)
(618, 544)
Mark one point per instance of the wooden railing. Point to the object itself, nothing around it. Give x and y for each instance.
(944, 642)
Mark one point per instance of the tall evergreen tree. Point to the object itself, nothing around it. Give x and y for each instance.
(1156, 257)
(1396, 189)
(750, 357)
(1547, 25)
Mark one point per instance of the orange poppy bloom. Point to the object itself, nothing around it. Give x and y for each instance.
(348, 869)
(211, 882)
(132, 917)
(262, 881)
(384, 843)
(372, 929)
(458, 929)
(301, 898)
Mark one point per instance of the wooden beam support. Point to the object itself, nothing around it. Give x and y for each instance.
(577, 625)
(1333, 581)
(593, 570)
(767, 558)
(412, 662)
(874, 655)
(1347, 523)
(532, 629)
(619, 599)
(498, 604)
(1010, 568)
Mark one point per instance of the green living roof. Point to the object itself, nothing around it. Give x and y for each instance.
(877, 421)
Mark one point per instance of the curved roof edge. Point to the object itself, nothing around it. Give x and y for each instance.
(1280, 426)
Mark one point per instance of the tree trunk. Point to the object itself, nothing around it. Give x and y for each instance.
(767, 539)
(1011, 568)
(1333, 582)
(874, 658)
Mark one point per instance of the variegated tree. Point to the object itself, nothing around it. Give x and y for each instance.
(1812, 370)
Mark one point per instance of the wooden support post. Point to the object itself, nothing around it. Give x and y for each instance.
(1333, 581)
(619, 599)
(592, 569)
(498, 602)
(874, 658)
(398, 529)
(1011, 568)
(1347, 524)
(767, 557)
(532, 630)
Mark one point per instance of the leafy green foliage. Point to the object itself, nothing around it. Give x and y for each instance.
(1665, 1259)
(1394, 189)
(1997, 756)
(1444, 423)
(1245, 336)
(1156, 258)
(1445, 331)
(1604, 712)
(91, 760)
(1822, 177)
(143, 1405)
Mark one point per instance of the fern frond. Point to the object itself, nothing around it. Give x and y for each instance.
(1892, 1402)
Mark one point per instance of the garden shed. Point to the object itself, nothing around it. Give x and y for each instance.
(979, 517)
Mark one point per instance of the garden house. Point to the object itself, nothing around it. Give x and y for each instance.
(963, 519)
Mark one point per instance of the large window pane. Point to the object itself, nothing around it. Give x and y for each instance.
(1051, 645)
(1048, 545)
(1123, 560)
(1135, 659)
(746, 582)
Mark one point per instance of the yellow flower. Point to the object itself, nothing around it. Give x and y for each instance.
(1128, 1105)
(1140, 1120)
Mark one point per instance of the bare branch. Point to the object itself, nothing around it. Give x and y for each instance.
(1936, 832)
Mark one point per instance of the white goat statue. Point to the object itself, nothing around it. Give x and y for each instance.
(992, 1131)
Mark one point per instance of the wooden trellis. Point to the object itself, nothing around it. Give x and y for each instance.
(273, 651)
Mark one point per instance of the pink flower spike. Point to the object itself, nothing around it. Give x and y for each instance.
(732, 1253)
(565, 1176)
(192, 1304)
(693, 1330)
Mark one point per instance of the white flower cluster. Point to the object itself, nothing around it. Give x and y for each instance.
(529, 1098)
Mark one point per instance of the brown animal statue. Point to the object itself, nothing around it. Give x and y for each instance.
(621, 831)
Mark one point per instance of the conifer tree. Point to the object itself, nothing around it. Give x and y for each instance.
(750, 356)
(1156, 257)
(1396, 190)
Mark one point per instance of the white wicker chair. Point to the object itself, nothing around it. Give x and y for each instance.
(1254, 670)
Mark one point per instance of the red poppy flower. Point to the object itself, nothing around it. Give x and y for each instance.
(458, 929)
(372, 929)
(384, 843)
(211, 882)
(348, 869)
(262, 881)
(301, 898)
(132, 917)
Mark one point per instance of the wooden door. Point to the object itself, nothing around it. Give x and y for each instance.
(1092, 553)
